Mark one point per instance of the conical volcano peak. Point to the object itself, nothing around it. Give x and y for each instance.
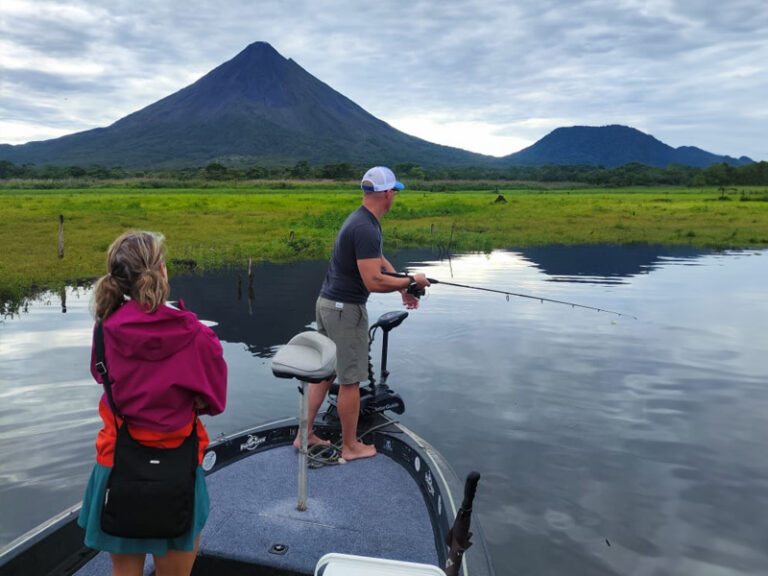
(259, 50)
(258, 75)
(259, 45)
(259, 56)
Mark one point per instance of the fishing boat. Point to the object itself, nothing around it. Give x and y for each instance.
(279, 511)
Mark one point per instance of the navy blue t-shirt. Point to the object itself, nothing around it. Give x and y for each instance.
(358, 239)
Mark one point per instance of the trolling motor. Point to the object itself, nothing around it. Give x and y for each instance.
(376, 396)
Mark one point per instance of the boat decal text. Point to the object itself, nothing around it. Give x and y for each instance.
(428, 481)
(252, 442)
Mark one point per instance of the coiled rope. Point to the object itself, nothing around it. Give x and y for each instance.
(320, 455)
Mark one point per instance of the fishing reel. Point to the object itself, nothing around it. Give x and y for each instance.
(415, 290)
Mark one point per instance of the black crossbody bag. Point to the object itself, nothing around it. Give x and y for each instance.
(151, 491)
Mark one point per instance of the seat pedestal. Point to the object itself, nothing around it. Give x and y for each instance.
(309, 357)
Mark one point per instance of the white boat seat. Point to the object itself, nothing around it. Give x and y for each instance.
(348, 565)
(308, 356)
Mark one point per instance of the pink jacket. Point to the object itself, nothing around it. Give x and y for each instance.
(159, 363)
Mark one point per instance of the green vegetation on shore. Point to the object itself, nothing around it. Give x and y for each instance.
(632, 174)
(229, 225)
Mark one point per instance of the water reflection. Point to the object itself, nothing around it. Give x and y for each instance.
(278, 304)
(605, 264)
(607, 445)
(47, 421)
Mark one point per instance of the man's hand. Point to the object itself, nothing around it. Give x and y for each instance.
(412, 294)
(421, 280)
(410, 301)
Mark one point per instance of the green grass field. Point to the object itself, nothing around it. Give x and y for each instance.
(228, 225)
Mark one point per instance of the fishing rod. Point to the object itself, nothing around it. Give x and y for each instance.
(518, 294)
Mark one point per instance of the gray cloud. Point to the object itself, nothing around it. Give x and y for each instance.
(688, 72)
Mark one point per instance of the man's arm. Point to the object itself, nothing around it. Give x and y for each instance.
(387, 266)
(371, 273)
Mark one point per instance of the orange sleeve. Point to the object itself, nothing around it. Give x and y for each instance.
(105, 441)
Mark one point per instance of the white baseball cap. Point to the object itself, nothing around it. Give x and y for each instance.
(382, 179)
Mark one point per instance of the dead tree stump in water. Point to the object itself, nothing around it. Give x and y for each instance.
(250, 286)
(61, 236)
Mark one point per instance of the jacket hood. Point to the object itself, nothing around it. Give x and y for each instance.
(156, 336)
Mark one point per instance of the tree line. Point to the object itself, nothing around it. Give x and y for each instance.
(633, 174)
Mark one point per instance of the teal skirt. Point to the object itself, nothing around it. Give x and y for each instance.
(90, 520)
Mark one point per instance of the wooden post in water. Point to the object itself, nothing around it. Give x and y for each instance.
(61, 235)
(250, 286)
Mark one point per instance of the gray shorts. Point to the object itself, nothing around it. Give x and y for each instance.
(347, 325)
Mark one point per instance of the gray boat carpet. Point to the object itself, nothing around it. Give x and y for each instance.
(370, 507)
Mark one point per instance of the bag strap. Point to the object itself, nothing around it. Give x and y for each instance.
(101, 367)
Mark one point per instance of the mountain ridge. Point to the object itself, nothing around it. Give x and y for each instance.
(611, 146)
(260, 108)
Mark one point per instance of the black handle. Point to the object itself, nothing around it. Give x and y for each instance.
(395, 274)
(470, 486)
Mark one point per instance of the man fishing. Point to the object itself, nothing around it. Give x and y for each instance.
(357, 268)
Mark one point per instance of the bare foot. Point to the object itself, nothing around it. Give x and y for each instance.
(312, 439)
(359, 450)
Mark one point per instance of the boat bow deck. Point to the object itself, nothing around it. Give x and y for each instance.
(368, 507)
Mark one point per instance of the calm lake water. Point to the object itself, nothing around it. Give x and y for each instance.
(606, 445)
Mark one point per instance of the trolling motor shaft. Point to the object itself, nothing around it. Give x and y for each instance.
(378, 397)
(386, 322)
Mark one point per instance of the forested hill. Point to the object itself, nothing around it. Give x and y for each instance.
(612, 146)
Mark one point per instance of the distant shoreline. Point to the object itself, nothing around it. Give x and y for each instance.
(228, 225)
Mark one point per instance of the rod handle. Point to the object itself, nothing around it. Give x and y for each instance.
(470, 487)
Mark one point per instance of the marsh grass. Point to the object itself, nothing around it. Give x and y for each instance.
(229, 225)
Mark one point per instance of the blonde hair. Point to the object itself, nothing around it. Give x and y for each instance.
(134, 270)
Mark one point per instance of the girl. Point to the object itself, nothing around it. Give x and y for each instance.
(165, 367)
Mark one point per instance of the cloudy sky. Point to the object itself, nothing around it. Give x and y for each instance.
(490, 76)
